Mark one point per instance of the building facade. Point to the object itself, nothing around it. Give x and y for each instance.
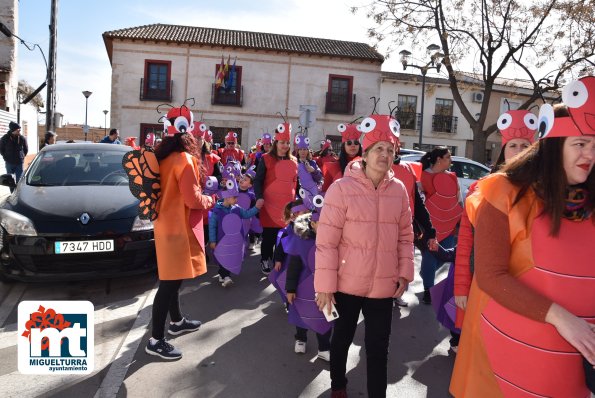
(274, 75)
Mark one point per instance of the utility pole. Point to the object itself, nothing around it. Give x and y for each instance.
(51, 72)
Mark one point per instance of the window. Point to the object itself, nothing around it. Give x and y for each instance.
(407, 114)
(156, 85)
(468, 170)
(230, 93)
(340, 98)
(443, 120)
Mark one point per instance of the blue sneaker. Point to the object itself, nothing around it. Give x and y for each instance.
(185, 327)
(163, 349)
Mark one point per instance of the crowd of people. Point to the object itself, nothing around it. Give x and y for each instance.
(337, 236)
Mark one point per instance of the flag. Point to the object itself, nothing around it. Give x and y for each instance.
(220, 76)
(225, 73)
(231, 76)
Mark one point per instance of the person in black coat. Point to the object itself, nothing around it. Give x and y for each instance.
(14, 148)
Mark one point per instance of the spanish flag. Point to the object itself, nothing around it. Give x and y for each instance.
(220, 75)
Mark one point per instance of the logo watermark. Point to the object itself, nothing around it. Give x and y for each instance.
(56, 337)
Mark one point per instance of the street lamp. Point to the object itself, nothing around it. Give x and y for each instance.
(105, 111)
(86, 128)
(435, 62)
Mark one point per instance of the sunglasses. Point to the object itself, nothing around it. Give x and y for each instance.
(349, 142)
(230, 143)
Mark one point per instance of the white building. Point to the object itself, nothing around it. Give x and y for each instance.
(156, 64)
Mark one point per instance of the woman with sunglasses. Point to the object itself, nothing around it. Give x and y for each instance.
(274, 186)
(351, 149)
(231, 150)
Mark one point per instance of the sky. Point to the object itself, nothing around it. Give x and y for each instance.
(82, 61)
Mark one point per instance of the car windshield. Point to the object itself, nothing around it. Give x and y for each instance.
(77, 167)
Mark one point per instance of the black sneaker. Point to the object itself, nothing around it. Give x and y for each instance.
(427, 298)
(264, 267)
(163, 349)
(186, 326)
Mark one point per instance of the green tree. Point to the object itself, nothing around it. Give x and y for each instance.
(531, 35)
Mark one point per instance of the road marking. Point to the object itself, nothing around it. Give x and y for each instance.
(12, 300)
(125, 356)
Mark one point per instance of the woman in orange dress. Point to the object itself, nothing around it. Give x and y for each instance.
(531, 309)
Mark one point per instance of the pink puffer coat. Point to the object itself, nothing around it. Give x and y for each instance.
(364, 241)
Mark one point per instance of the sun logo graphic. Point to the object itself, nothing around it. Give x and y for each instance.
(56, 337)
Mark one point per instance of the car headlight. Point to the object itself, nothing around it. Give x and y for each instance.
(16, 224)
(141, 225)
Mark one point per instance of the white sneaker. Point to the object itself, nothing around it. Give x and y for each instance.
(324, 355)
(300, 347)
(400, 302)
(226, 281)
(220, 279)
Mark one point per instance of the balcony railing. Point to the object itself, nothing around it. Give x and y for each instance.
(232, 98)
(444, 124)
(345, 108)
(150, 94)
(409, 120)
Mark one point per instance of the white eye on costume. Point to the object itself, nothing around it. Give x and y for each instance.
(504, 121)
(229, 169)
(181, 124)
(530, 121)
(395, 127)
(203, 127)
(318, 201)
(281, 128)
(342, 128)
(575, 94)
(367, 125)
(229, 184)
(302, 193)
(210, 184)
(545, 120)
(298, 140)
(235, 135)
(307, 140)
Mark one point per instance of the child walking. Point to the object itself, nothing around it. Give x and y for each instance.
(226, 235)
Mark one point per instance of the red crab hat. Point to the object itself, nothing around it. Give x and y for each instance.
(283, 132)
(349, 132)
(376, 128)
(209, 136)
(178, 121)
(550, 127)
(200, 129)
(325, 144)
(231, 136)
(517, 124)
(579, 97)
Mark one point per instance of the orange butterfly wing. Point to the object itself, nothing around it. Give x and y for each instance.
(142, 169)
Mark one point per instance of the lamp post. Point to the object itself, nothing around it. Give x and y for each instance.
(105, 111)
(86, 128)
(435, 62)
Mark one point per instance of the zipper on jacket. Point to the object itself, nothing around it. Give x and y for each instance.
(377, 239)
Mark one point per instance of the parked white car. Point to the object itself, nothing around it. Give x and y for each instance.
(467, 170)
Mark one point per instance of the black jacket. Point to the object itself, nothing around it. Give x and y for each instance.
(13, 148)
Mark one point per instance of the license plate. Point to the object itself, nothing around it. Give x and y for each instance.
(84, 246)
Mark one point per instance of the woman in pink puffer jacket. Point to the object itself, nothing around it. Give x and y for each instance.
(364, 254)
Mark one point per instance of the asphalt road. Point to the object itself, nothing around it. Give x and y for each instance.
(244, 348)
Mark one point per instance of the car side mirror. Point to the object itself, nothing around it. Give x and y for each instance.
(7, 180)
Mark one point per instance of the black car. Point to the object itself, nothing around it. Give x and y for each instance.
(72, 216)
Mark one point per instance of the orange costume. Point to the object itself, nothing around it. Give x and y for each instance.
(179, 235)
(506, 348)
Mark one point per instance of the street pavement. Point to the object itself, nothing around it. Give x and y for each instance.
(243, 349)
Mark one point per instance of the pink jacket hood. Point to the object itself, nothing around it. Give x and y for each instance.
(364, 241)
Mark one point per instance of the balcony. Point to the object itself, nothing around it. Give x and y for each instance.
(444, 124)
(409, 120)
(232, 98)
(151, 94)
(340, 107)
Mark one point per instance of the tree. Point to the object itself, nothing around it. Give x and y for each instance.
(525, 36)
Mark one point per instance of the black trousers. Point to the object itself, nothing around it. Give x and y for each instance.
(377, 319)
(324, 340)
(267, 246)
(167, 299)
